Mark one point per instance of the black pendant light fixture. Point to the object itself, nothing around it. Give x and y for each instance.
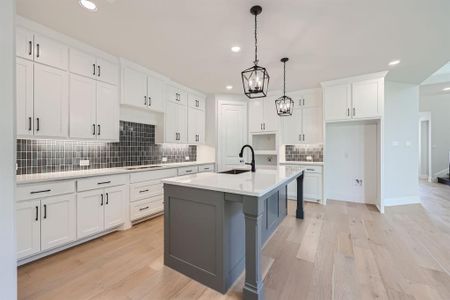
(284, 104)
(255, 80)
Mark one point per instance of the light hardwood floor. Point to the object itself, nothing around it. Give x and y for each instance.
(340, 251)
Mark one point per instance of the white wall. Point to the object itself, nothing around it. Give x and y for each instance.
(352, 154)
(439, 107)
(401, 143)
(8, 276)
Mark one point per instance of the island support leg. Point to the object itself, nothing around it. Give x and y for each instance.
(253, 211)
(299, 212)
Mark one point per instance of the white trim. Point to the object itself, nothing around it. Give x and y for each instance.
(355, 78)
(402, 201)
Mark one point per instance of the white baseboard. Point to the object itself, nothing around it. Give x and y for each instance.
(402, 201)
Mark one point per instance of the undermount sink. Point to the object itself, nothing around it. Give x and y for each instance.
(141, 167)
(234, 171)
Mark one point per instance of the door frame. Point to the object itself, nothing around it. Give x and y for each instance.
(425, 117)
(219, 148)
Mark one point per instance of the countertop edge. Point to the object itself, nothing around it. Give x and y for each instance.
(305, 163)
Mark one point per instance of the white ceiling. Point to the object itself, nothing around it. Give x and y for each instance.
(189, 40)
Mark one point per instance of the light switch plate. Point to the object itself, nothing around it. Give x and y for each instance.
(84, 163)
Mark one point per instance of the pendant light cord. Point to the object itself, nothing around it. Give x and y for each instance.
(284, 79)
(256, 40)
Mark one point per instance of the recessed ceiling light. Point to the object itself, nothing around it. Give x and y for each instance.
(89, 5)
(229, 87)
(447, 89)
(235, 49)
(394, 62)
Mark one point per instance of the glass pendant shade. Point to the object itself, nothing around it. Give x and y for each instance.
(255, 81)
(284, 104)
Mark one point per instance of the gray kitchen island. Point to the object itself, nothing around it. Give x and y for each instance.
(215, 225)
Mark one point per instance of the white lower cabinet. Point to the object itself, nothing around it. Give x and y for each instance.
(100, 210)
(312, 185)
(45, 224)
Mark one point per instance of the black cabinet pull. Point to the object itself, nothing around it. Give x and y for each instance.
(104, 182)
(188, 171)
(40, 192)
(149, 101)
(93, 73)
(38, 52)
(29, 123)
(311, 170)
(143, 191)
(145, 100)
(30, 47)
(45, 211)
(93, 129)
(144, 208)
(354, 111)
(101, 200)
(37, 214)
(107, 198)
(99, 69)
(99, 128)
(37, 124)
(348, 112)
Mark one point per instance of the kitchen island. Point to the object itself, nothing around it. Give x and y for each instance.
(215, 224)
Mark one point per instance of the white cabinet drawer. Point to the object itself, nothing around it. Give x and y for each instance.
(152, 175)
(140, 191)
(40, 190)
(196, 101)
(144, 208)
(187, 170)
(101, 182)
(206, 168)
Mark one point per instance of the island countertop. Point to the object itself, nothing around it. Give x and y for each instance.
(256, 184)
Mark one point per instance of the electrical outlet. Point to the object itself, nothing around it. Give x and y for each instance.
(84, 162)
(186, 158)
(164, 159)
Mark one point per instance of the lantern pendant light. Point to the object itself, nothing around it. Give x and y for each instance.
(284, 104)
(255, 80)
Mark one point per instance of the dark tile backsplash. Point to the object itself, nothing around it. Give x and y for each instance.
(136, 147)
(300, 152)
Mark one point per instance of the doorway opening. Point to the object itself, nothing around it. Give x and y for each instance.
(425, 146)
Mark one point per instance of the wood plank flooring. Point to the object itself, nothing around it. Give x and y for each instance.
(340, 251)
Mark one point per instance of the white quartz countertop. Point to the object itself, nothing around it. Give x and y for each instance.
(251, 184)
(43, 177)
(305, 163)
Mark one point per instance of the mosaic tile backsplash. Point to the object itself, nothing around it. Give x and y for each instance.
(301, 152)
(136, 147)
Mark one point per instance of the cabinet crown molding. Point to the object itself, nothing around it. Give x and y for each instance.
(349, 80)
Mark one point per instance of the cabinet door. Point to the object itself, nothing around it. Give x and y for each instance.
(337, 101)
(171, 123)
(182, 124)
(114, 206)
(108, 110)
(134, 88)
(82, 98)
(197, 101)
(292, 190)
(255, 115)
(82, 63)
(176, 95)
(312, 186)
(24, 43)
(28, 228)
(107, 71)
(155, 94)
(50, 52)
(366, 96)
(50, 102)
(201, 127)
(24, 97)
(196, 126)
(90, 218)
(58, 221)
(271, 121)
(312, 125)
(292, 128)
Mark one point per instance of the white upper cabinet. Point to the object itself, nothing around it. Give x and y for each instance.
(197, 101)
(176, 95)
(24, 43)
(262, 115)
(108, 112)
(176, 123)
(88, 65)
(51, 113)
(24, 97)
(142, 90)
(354, 98)
(83, 108)
(196, 126)
(337, 100)
(305, 126)
(50, 52)
(155, 94)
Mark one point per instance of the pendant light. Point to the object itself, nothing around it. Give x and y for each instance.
(284, 104)
(255, 80)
